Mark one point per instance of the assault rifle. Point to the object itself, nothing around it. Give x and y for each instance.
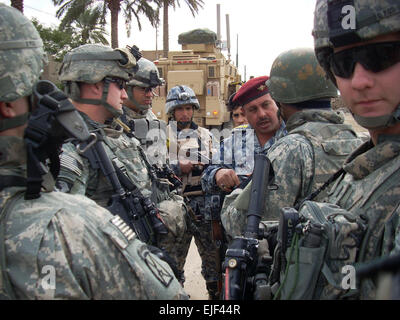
(244, 273)
(165, 172)
(136, 210)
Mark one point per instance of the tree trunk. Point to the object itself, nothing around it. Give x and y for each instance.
(165, 30)
(18, 4)
(114, 6)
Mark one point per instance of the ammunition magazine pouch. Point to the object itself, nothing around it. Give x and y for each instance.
(314, 244)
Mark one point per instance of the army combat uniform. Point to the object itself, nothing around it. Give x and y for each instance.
(369, 186)
(77, 172)
(59, 246)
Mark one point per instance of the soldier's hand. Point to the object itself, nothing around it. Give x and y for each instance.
(186, 166)
(226, 179)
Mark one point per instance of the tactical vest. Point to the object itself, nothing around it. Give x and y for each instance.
(332, 143)
(194, 145)
(130, 157)
(151, 134)
(372, 196)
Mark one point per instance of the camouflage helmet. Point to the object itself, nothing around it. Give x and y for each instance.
(296, 77)
(147, 75)
(333, 28)
(179, 96)
(21, 54)
(92, 63)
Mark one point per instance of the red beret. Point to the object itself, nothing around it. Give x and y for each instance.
(252, 89)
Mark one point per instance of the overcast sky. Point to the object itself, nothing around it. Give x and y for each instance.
(264, 28)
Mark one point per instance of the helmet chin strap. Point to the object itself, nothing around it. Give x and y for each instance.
(14, 122)
(141, 107)
(103, 101)
(379, 122)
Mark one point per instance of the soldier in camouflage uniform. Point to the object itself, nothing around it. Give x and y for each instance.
(317, 143)
(95, 80)
(58, 246)
(190, 150)
(363, 59)
(138, 116)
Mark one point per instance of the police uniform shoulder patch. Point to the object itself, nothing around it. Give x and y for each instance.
(158, 270)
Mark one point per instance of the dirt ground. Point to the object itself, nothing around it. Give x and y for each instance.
(195, 285)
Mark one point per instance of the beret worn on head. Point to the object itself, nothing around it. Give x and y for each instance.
(252, 89)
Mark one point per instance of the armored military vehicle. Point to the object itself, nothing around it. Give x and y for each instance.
(202, 66)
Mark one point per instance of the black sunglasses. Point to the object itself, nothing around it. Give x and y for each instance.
(375, 57)
(146, 90)
(121, 83)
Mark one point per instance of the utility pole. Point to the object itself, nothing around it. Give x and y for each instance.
(237, 51)
(218, 25)
(228, 40)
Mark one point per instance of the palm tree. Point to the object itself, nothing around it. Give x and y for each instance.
(88, 26)
(194, 6)
(71, 9)
(18, 4)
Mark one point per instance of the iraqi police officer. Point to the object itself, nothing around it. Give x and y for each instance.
(364, 63)
(190, 151)
(94, 77)
(58, 246)
(317, 144)
(235, 160)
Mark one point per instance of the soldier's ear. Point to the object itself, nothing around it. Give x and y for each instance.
(6, 110)
(91, 89)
